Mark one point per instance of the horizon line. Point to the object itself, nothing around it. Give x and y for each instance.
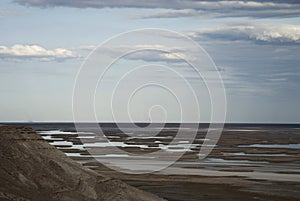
(138, 122)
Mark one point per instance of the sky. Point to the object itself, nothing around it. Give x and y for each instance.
(46, 46)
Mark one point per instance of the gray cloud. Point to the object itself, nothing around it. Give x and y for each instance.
(273, 12)
(259, 33)
(35, 52)
(6, 12)
(147, 53)
(184, 8)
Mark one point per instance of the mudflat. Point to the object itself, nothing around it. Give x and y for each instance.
(248, 162)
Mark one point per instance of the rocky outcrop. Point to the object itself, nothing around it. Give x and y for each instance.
(31, 169)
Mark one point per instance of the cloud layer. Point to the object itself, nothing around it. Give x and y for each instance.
(147, 53)
(260, 33)
(184, 8)
(35, 52)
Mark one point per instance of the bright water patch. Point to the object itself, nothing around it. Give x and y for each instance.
(277, 146)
